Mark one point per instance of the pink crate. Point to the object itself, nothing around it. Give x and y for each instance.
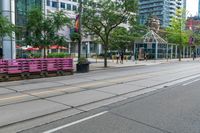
(52, 64)
(24, 64)
(59, 63)
(14, 67)
(67, 64)
(35, 65)
(3, 66)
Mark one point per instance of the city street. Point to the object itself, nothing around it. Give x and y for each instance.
(161, 98)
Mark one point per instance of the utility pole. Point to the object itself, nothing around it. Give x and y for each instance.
(80, 30)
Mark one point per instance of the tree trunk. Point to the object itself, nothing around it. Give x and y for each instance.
(45, 52)
(180, 51)
(105, 55)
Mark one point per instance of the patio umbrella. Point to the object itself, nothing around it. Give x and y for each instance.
(32, 49)
(57, 47)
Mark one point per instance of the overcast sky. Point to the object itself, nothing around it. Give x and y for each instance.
(192, 7)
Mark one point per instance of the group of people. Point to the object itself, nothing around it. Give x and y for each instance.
(120, 56)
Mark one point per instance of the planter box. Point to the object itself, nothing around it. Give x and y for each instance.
(82, 68)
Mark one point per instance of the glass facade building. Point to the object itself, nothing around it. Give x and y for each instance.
(199, 9)
(163, 9)
(15, 11)
(21, 9)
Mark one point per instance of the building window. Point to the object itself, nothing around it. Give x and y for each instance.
(74, 8)
(48, 2)
(54, 4)
(69, 7)
(62, 5)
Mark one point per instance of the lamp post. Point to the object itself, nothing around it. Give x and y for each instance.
(80, 25)
(86, 50)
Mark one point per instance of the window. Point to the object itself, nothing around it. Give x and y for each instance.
(62, 5)
(74, 8)
(69, 7)
(54, 4)
(48, 2)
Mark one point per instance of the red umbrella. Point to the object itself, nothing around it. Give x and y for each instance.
(32, 49)
(57, 47)
(17, 46)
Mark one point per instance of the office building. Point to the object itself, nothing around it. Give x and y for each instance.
(163, 9)
(15, 11)
(70, 8)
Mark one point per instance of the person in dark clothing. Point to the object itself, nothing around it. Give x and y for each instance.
(122, 57)
(1, 53)
(117, 56)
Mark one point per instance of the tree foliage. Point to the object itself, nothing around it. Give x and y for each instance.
(6, 27)
(103, 16)
(42, 31)
(121, 39)
(137, 30)
(176, 33)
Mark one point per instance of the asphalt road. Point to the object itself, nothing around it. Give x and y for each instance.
(143, 99)
(175, 109)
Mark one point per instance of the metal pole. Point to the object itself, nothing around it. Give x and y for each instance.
(80, 22)
(86, 48)
(156, 52)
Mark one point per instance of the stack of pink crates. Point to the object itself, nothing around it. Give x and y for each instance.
(19, 66)
(3, 66)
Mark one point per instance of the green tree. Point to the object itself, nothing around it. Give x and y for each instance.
(6, 28)
(176, 33)
(42, 30)
(103, 16)
(120, 39)
(137, 30)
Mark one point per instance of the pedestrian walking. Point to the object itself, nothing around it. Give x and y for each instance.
(133, 57)
(117, 56)
(122, 58)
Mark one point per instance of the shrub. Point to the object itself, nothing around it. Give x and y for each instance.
(36, 55)
(83, 60)
(58, 55)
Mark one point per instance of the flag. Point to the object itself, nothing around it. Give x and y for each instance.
(191, 40)
(77, 23)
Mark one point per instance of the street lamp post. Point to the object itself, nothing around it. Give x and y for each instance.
(86, 50)
(80, 25)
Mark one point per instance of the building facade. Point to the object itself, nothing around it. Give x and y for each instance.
(15, 11)
(193, 24)
(8, 46)
(70, 7)
(163, 9)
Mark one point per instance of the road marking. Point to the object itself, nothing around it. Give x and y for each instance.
(52, 91)
(191, 82)
(15, 97)
(75, 122)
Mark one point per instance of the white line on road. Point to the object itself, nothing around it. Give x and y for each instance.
(191, 82)
(75, 122)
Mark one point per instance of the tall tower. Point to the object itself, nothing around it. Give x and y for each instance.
(163, 9)
(199, 9)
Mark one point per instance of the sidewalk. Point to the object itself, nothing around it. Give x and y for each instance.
(99, 64)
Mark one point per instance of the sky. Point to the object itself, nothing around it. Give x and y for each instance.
(192, 7)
